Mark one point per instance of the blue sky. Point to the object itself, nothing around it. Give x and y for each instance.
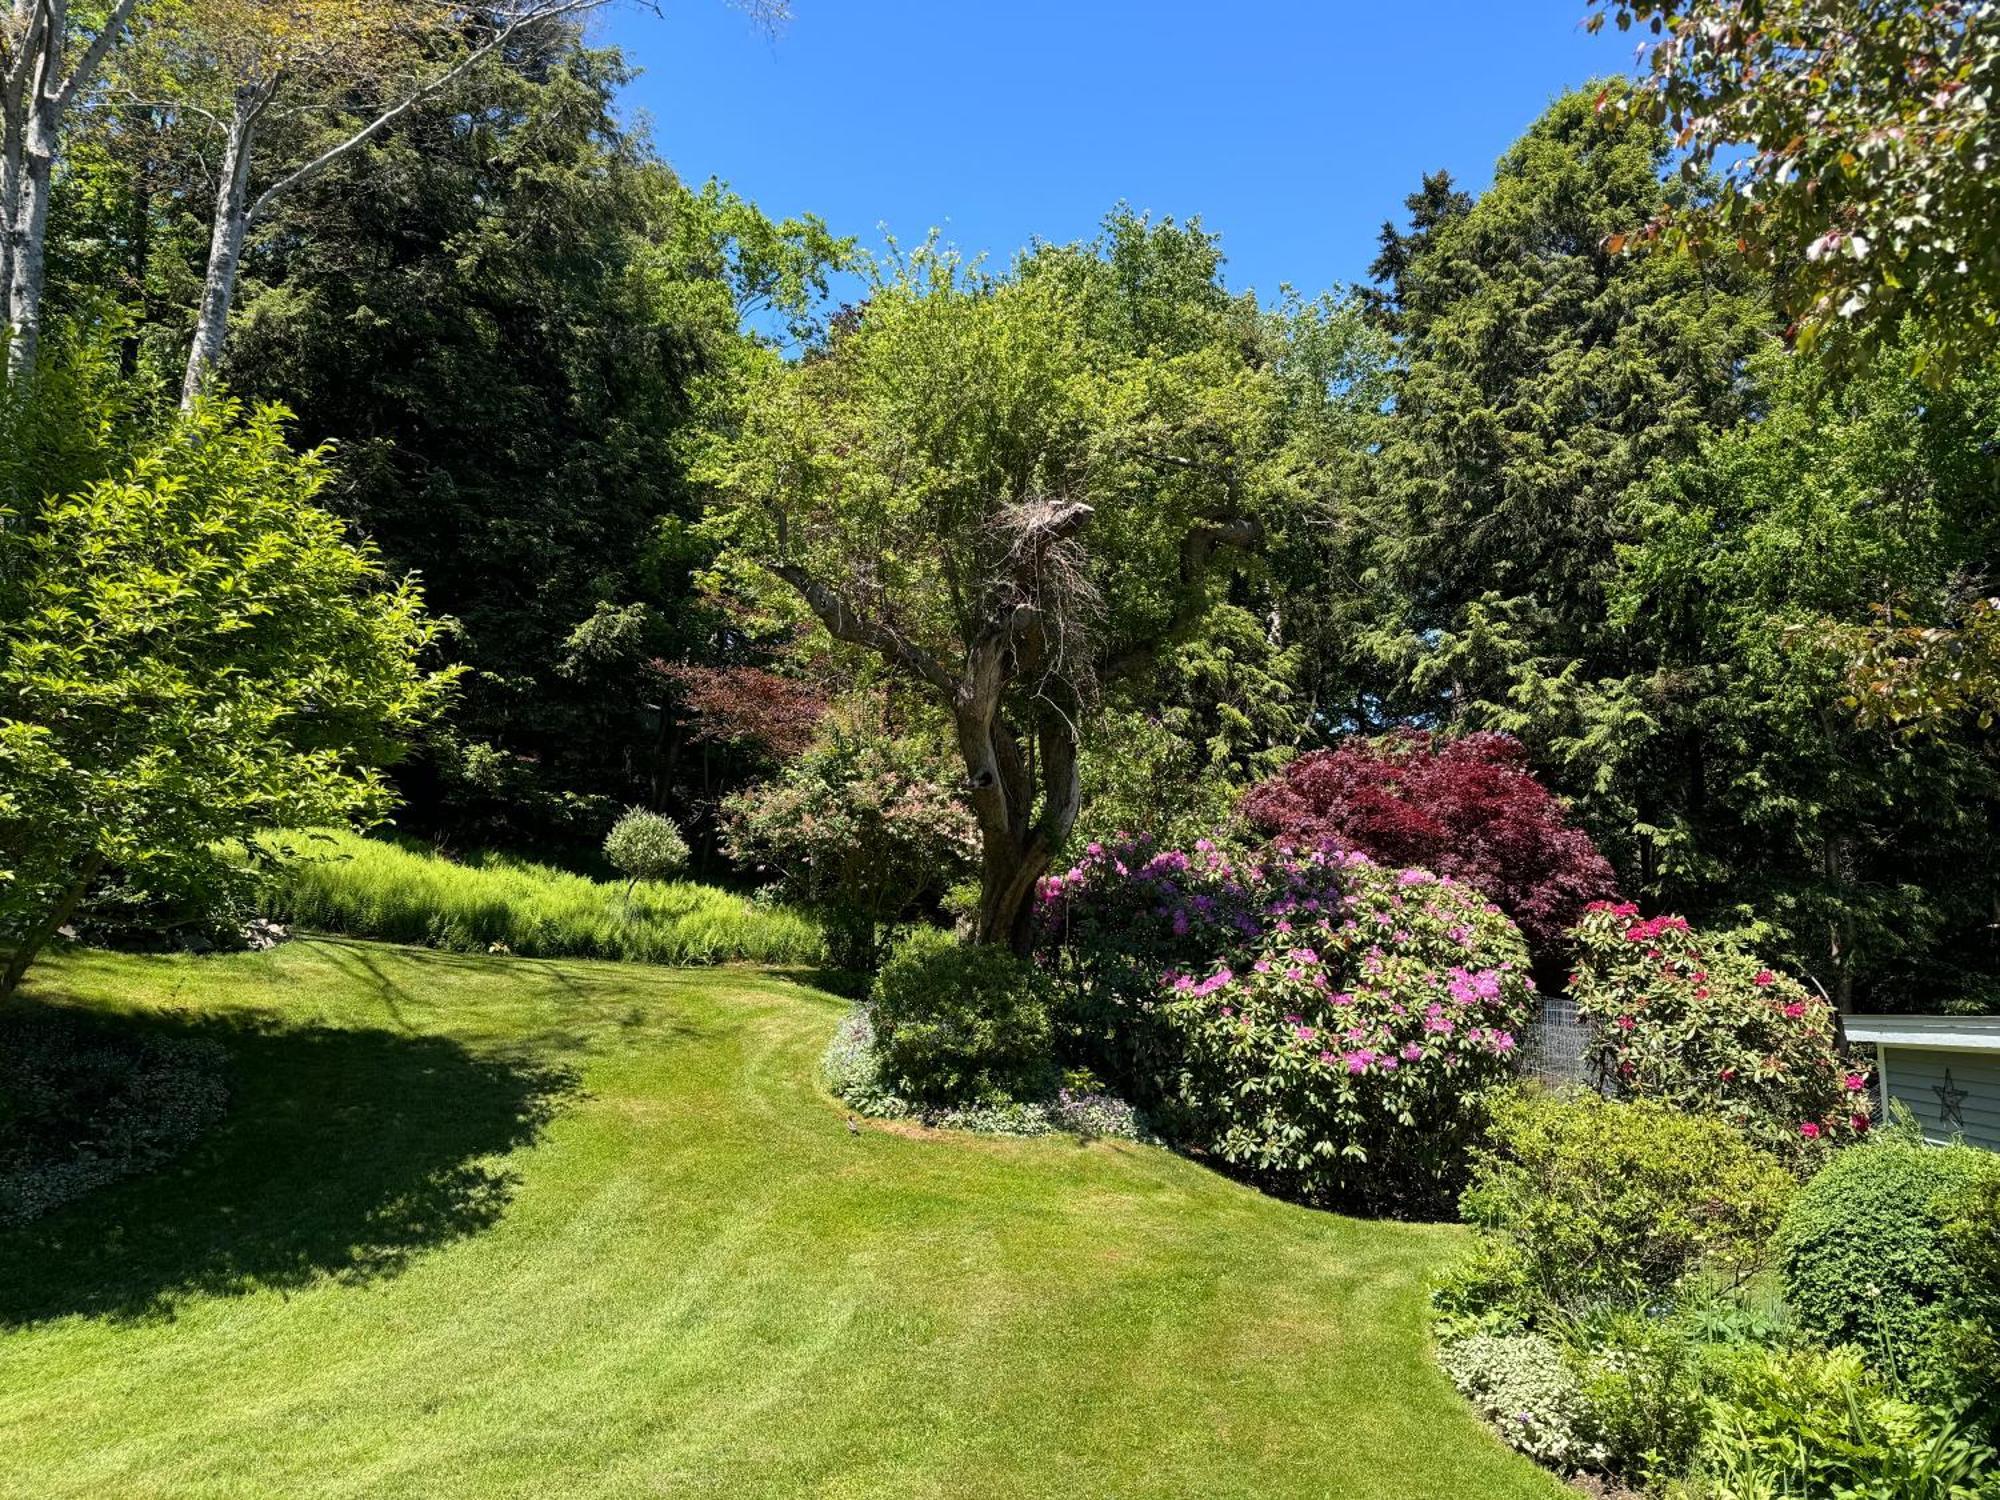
(1292, 127)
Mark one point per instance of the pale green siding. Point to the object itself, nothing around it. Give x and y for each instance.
(1917, 1080)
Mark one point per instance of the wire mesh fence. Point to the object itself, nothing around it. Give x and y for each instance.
(1557, 1046)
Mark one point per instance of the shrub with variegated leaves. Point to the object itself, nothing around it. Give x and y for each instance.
(1701, 1024)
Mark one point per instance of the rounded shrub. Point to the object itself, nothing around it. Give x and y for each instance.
(1470, 808)
(959, 1024)
(1323, 1024)
(1865, 1250)
(1603, 1203)
(1701, 1025)
(1974, 1345)
(1347, 1061)
(644, 845)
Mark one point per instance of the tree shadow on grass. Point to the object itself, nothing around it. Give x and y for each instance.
(344, 1154)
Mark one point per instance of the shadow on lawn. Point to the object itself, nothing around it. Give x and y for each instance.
(344, 1153)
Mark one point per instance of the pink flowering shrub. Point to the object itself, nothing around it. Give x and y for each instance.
(1324, 1025)
(1704, 1026)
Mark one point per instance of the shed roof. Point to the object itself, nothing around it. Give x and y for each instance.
(1944, 1033)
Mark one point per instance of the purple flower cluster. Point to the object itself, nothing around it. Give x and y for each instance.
(1325, 1018)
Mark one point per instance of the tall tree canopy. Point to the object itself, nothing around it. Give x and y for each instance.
(1540, 378)
(500, 311)
(1012, 488)
(1616, 518)
(1873, 174)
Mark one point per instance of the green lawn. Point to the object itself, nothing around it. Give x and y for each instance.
(500, 1227)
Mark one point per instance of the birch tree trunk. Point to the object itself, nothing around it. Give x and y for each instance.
(35, 96)
(236, 211)
(33, 183)
(10, 203)
(24, 23)
(225, 247)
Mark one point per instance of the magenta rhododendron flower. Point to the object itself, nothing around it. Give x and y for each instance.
(1316, 1075)
(1809, 1130)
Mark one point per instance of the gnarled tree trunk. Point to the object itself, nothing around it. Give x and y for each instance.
(1021, 777)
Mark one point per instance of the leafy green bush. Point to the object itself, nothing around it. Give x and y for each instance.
(1864, 1250)
(852, 1068)
(862, 829)
(644, 845)
(1522, 1385)
(409, 893)
(1601, 1202)
(191, 650)
(959, 1024)
(1643, 1381)
(1974, 1341)
(1698, 1024)
(1811, 1423)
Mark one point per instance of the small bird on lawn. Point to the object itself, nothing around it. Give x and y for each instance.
(852, 1128)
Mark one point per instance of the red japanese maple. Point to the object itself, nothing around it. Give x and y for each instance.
(1469, 808)
(748, 706)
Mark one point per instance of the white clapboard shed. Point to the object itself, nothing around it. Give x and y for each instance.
(1944, 1069)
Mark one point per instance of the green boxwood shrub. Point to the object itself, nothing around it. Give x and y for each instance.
(1974, 1348)
(1864, 1250)
(1598, 1202)
(958, 1024)
(1695, 1022)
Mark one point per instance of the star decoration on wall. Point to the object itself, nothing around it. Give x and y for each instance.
(1951, 1101)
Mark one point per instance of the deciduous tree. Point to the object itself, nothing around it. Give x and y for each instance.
(1872, 174)
(1007, 487)
(50, 57)
(191, 651)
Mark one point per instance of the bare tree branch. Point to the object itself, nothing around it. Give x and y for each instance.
(844, 623)
(537, 12)
(94, 55)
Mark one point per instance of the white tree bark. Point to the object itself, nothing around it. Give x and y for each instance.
(237, 213)
(15, 60)
(225, 246)
(33, 185)
(37, 89)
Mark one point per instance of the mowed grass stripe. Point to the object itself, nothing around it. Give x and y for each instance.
(498, 1227)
